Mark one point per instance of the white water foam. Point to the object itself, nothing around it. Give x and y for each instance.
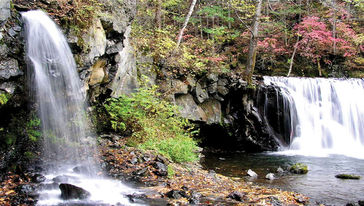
(329, 113)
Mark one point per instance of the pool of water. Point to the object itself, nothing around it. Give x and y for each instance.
(319, 184)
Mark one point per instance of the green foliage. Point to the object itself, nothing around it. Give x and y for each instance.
(170, 171)
(152, 123)
(178, 149)
(4, 98)
(33, 129)
(29, 155)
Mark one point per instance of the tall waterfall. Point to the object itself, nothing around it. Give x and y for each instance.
(57, 92)
(57, 89)
(329, 114)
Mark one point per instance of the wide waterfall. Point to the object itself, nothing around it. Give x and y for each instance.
(69, 145)
(329, 114)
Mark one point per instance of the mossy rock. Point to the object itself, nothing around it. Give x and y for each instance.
(299, 168)
(348, 176)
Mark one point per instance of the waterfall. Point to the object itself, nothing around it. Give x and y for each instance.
(329, 115)
(58, 94)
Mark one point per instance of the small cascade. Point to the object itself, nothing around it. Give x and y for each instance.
(69, 145)
(328, 114)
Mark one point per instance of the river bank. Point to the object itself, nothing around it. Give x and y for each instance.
(160, 181)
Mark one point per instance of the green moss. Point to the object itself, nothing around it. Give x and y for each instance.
(299, 168)
(4, 98)
(29, 155)
(348, 176)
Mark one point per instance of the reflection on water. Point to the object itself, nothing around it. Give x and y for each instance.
(319, 184)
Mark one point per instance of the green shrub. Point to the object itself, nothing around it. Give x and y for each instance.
(153, 124)
(33, 129)
(3, 98)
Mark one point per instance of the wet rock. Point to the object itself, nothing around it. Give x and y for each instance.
(201, 93)
(161, 169)
(134, 160)
(125, 80)
(301, 199)
(51, 186)
(212, 109)
(176, 194)
(212, 77)
(251, 173)
(113, 48)
(280, 170)
(69, 191)
(95, 40)
(9, 68)
(8, 87)
(179, 87)
(299, 168)
(270, 176)
(275, 201)
(221, 87)
(348, 176)
(63, 178)
(119, 16)
(4, 10)
(4, 50)
(162, 159)
(135, 197)
(212, 88)
(189, 109)
(141, 172)
(98, 73)
(38, 178)
(194, 198)
(81, 169)
(25, 189)
(238, 196)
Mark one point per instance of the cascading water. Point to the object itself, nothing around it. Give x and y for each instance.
(68, 141)
(329, 115)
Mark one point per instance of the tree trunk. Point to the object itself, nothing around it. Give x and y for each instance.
(334, 27)
(186, 22)
(319, 67)
(253, 43)
(292, 57)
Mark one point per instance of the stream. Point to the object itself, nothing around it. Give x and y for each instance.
(319, 183)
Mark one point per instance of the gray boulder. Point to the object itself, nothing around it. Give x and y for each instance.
(212, 109)
(69, 191)
(189, 109)
(4, 10)
(201, 93)
(9, 68)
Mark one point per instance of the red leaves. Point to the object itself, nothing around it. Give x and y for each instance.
(317, 40)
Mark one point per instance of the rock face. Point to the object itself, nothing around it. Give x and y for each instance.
(225, 108)
(69, 191)
(4, 10)
(125, 81)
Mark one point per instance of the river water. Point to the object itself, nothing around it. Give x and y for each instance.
(319, 183)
